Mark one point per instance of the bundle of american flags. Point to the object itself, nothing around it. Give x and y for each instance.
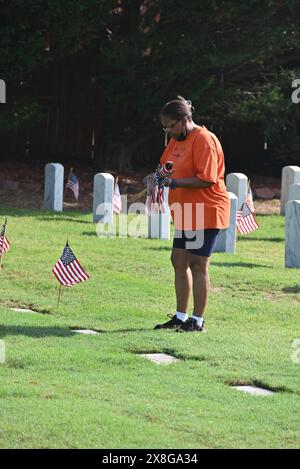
(73, 184)
(68, 270)
(117, 204)
(4, 243)
(245, 220)
(156, 183)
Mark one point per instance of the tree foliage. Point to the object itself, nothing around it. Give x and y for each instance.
(234, 60)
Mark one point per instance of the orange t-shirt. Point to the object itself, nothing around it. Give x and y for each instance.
(201, 155)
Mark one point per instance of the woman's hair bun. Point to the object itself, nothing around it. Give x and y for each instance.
(188, 102)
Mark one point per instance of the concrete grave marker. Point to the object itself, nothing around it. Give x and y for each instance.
(294, 192)
(23, 310)
(238, 184)
(226, 239)
(103, 197)
(160, 358)
(54, 187)
(292, 234)
(159, 224)
(254, 390)
(290, 175)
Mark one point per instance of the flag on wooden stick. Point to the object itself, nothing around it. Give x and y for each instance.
(4, 243)
(245, 220)
(117, 204)
(68, 270)
(73, 184)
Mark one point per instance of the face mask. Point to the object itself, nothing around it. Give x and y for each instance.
(183, 134)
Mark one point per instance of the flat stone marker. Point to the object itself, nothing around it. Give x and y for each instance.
(238, 184)
(290, 175)
(85, 331)
(292, 234)
(24, 310)
(160, 358)
(255, 391)
(226, 239)
(103, 198)
(54, 187)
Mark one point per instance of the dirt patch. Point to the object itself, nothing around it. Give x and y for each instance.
(22, 186)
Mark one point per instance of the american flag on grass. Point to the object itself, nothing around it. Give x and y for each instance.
(117, 204)
(73, 184)
(68, 270)
(4, 243)
(245, 220)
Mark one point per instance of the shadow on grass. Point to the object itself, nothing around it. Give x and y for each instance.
(295, 289)
(241, 264)
(127, 330)
(271, 240)
(63, 219)
(260, 384)
(89, 233)
(37, 332)
(43, 215)
(160, 248)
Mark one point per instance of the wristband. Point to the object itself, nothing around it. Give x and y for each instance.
(173, 184)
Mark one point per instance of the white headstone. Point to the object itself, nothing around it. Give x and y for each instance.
(238, 184)
(54, 187)
(292, 234)
(294, 192)
(226, 239)
(103, 197)
(290, 175)
(159, 224)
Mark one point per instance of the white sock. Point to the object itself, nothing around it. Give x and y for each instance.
(199, 320)
(182, 316)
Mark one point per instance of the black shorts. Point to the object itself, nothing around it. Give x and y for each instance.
(198, 242)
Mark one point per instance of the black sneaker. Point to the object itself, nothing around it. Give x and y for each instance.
(191, 325)
(174, 323)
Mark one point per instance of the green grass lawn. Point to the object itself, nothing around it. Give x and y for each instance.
(61, 389)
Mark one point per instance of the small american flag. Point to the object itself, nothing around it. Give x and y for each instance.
(67, 269)
(117, 204)
(245, 220)
(4, 243)
(73, 184)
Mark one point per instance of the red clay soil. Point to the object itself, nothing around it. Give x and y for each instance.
(22, 185)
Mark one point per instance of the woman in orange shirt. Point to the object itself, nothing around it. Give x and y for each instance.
(200, 207)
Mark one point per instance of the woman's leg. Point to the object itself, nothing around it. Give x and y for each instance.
(201, 282)
(183, 278)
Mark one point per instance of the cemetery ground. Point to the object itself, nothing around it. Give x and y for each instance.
(61, 389)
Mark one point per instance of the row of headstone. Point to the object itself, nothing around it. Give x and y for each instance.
(158, 224)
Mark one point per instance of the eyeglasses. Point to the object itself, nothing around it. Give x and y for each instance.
(165, 129)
